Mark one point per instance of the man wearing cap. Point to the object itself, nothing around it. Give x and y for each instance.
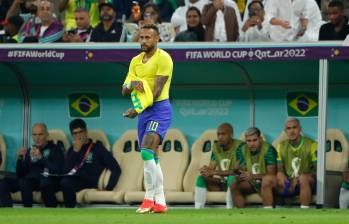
(108, 30)
(148, 82)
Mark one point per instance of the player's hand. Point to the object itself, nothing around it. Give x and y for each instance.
(285, 24)
(35, 152)
(21, 153)
(74, 38)
(137, 85)
(206, 171)
(302, 31)
(130, 113)
(245, 176)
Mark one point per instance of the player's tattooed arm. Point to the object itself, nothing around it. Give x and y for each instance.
(159, 85)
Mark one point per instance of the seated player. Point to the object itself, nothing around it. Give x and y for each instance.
(220, 172)
(257, 170)
(296, 164)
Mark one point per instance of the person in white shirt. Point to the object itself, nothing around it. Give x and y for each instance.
(178, 18)
(221, 22)
(245, 16)
(312, 15)
(293, 20)
(256, 28)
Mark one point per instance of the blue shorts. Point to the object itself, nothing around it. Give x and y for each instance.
(156, 118)
(296, 192)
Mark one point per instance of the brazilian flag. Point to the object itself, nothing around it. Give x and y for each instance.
(84, 105)
(302, 104)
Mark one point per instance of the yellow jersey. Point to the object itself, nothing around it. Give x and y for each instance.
(89, 5)
(160, 64)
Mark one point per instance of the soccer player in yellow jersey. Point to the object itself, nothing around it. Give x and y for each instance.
(148, 82)
(297, 164)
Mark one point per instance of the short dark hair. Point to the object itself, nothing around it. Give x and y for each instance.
(227, 126)
(156, 9)
(193, 8)
(151, 26)
(255, 1)
(77, 123)
(337, 4)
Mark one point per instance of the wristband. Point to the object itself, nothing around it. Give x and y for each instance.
(129, 85)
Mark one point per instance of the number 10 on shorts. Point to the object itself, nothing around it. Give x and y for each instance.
(153, 126)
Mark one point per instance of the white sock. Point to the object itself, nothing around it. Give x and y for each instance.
(149, 179)
(159, 187)
(229, 199)
(305, 206)
(344, 198)
(200, 197)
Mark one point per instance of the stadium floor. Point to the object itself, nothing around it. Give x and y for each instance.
(175, 216)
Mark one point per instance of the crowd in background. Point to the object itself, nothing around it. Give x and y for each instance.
(44, 21)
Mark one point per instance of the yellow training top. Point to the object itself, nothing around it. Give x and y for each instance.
(160, 64)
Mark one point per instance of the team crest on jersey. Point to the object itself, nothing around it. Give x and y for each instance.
(46, 153)
(296, 165)
(89, 157)
(225, 164)
(256, 168)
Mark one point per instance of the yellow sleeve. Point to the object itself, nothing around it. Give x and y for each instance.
(131, 73)
(165, 65)
(278, 150)
(313, 152)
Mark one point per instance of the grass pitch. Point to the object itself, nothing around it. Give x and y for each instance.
(175, 216)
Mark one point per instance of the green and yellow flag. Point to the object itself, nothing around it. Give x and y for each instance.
(84, 105)
(302, 104)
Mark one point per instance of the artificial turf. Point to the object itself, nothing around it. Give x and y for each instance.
(178, 216)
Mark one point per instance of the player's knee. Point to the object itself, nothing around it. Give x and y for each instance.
(23, 183)
(267, 181)
(66, 184)
(234, 185)
(151, 140)
(201, 181)
(45, 184)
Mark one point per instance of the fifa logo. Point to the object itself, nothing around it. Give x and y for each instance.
(256, 168)
(225, 164)
(296, 164)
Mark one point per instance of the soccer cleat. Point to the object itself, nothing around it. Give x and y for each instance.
(146, 206)
(159, 208)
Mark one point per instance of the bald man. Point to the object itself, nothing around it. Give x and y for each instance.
(33, 166)
(218, 175)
